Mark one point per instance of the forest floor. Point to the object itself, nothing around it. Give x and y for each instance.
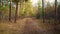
(29, 26)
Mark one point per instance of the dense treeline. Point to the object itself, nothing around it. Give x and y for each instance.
(14, 9)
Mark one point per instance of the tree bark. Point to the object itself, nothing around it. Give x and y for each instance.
(43, 11)
(10, 6)
(16, 12)
(55, 11)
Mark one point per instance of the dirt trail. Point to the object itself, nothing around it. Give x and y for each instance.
(32, 27)
(27, 26)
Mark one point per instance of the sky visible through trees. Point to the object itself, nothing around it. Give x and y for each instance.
(34, 2)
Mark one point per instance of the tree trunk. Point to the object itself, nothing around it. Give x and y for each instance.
(43, 11)
(10, 6)
(16, 12)
(55, 11)
(55, 16)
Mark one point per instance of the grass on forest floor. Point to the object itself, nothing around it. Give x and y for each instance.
(18, 28)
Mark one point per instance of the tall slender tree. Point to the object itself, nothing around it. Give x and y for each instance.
(10, 6)
(55, 11)
(43, 11)
(55, 22)
(16, 1)
(16, 11)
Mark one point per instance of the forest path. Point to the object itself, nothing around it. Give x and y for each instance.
(27, 26)
(35, 26)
